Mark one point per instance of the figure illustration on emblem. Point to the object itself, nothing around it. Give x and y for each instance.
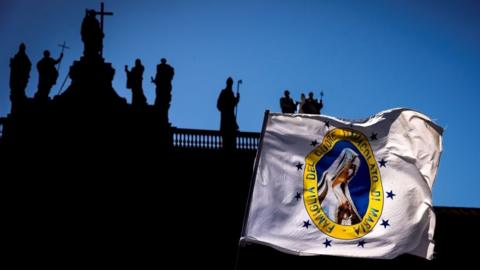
(333, 191)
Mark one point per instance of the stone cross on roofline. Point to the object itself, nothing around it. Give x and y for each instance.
(102, 13)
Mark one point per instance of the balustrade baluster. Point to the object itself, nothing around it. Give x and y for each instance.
(210, 139)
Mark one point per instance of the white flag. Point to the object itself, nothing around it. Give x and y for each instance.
(335, 187)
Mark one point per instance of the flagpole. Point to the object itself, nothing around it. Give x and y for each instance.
(252, 185)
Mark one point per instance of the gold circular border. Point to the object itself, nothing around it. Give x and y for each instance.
(310, 193)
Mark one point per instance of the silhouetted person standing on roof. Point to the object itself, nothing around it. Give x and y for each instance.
(301, 103)
(311, 105)
(134, 82)
(228, 123)
(287, 104)
(47, 75)
(20, 67)
(163, 82)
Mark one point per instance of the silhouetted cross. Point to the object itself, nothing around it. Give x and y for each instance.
(63, 46)
(102, 13)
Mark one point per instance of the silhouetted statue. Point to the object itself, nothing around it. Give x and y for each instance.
(20, 67)
(163, 82)
(47, 75)
(228, 123)
(92, 35)
(287, 104)
(91, 77)
(311, 106)
(134, 82)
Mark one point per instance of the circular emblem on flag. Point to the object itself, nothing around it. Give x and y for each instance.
(343, 191)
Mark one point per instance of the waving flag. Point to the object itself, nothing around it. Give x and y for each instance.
(361, 189)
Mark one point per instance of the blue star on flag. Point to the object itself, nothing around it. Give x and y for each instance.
(385, 223)
(383, 162)
(327, 124)
(299, 166)
(373, 137)
(327, 243)
(314, 143)
(298, 196)
(390, 194)
(361, 243)
(306, 224)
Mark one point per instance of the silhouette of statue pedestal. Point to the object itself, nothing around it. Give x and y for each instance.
(92, 85)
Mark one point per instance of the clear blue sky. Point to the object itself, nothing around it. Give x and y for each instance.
(367, 56)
